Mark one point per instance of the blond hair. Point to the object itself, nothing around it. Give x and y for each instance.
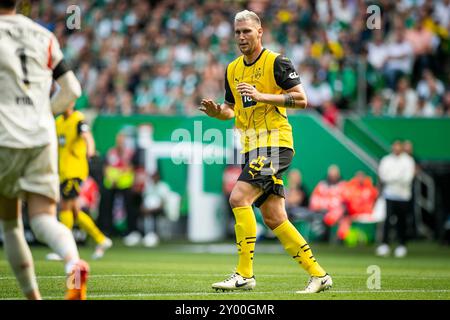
(247, 15)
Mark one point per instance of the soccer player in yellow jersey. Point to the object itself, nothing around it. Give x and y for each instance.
(75, 146)
(259, 86)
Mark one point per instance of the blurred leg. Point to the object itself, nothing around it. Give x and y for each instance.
(49, 230)
(401, 212)
(17, 250)
(387, 222)
(104, 220)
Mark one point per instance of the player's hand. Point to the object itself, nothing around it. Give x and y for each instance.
(248, 90)
(209, 107)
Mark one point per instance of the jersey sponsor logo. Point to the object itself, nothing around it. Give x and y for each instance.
(293, 75)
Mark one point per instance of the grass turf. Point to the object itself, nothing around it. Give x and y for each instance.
(184, 272)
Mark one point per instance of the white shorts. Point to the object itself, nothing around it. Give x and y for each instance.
(32, 170)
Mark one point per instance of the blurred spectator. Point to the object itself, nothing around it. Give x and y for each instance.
(377, 51)
(360, 195)
(377, 106)
(446, 104)
(116, 196)
(396, 172)
(431, 90)
(327, 197)
(89, 196)
(319, 92)
(161, 64)
(296, 195)
(425, 108)
(423, 43)
(156, 202)
(297, 202)
(399, 58)
(330, 113)
(404, 101)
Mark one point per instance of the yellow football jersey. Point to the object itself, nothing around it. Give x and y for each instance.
(72, 148)
(261, 125)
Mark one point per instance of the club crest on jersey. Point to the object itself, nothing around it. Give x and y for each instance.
(62, 140)
(257, 74)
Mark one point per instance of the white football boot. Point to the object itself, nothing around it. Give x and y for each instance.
(318, 284)
(101, 248)
(235, 282)
(52, 256)
(400, 252)
(383, 250)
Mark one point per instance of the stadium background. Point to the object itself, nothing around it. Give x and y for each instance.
(151, 62)
(135, 70)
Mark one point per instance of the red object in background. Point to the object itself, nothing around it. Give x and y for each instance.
(326, 196)
(359, 196)
(330, 114)
(89, 194)
(140, 177)
(230, 176)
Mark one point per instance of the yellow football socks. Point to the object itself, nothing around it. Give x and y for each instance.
(245, 228)
(66, 218)
(298, 248)
(87, 224)
(84, 221)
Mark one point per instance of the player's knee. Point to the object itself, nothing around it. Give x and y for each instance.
(274, 216)
(273, 221)
(238, 199)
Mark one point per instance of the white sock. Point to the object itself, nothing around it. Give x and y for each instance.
(18, 254)
(57, 236)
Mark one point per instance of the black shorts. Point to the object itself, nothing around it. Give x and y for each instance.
(263, 167)
(70, 188)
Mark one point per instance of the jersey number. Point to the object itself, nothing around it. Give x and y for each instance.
(23, 61)
(248, 101)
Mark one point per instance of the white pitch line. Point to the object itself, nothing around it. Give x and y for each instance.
(207, 275)
(189, 294)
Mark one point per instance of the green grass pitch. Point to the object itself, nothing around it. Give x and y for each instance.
(182, 271)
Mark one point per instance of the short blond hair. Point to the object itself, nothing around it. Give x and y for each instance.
(247, 15)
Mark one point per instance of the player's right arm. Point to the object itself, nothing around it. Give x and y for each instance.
(222, 111)
(69, 86)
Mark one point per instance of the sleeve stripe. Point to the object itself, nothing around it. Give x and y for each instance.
(49, 61)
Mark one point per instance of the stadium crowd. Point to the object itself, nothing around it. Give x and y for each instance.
(149, 56)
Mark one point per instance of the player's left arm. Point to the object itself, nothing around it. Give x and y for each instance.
(294, 97)
(287, 78)
(85, 133)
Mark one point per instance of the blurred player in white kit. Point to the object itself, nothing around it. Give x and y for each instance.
(30, 58)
